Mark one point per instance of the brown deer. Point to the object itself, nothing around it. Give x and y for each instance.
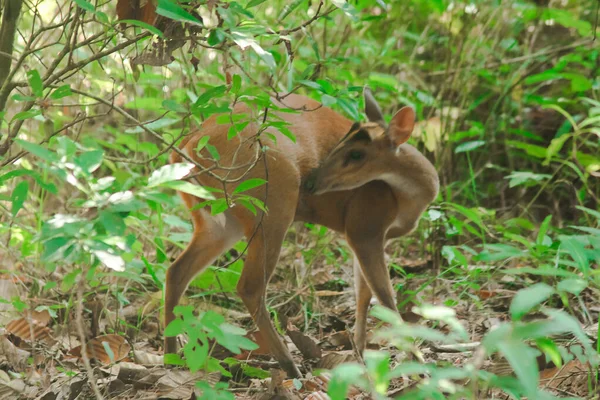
(360, 179)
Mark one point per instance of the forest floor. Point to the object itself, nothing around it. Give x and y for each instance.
(41, 357)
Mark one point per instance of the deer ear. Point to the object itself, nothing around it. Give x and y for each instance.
(401, 126)
(372, 109)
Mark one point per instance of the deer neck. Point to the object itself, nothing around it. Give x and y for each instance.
(411, 176)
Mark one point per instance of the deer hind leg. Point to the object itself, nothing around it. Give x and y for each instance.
(363, 299)
(263, 254)
(212, 236)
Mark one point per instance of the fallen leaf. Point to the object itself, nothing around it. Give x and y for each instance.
(106, 349)
(333, 359)
(28, 330)
(305, 344)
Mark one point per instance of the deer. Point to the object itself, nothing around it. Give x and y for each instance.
(361, 180)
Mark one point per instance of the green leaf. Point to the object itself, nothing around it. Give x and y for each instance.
(20, 97)
(170, 172)
(469, 146)
(554, 147)
(567, 19)
(189, 188)
(348, 9)
(173, 359)
(35, 82)
(236, 83)
(522, 359)
(579, 83)
(211, 93)
(145, 26)
(90, 160)
(26, 114)
(38, 150)
(254, 3)
(531, 149)
(18, 197)
(218, 206)
(60, 92)
(175, 327)
(85, 5)
(170, 9)
(551, 349)
(571, 246)
(574, 286)
(593, 213)
(517, 178)
(202, 143)
(215, 37)
(213, 151)
(342, 377)
(543, 229)
(528, 298)
(25, 172)
(249, 184)
(172, 105)
(288, 8)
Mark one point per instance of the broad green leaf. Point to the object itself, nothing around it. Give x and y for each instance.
(469, 146)
(19, 195)
(522, 359)
(574, 286)
(172, 105)
(26, 115)
(236, 83)
(551, 349)
(517, 178)
(175, 327)
(567, 19)
(254, 3)
(35, 175)
(528, 298)
(90, 160)
(38, 150)
(85, 5)
(531, 149)
(249, 184)
(218, 206)
(170, 172)
(143, 25)
(20, 97)
(211, 93)
(189, 188)
(213, 151)
(170, 9)
(342, 377)
(60, 92)
(348, 9)
(202, 143)
(35, 82)
(573, 247)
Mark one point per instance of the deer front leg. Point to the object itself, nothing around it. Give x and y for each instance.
(369, 252)
(363, 299)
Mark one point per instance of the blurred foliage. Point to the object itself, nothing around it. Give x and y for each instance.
(92, 106)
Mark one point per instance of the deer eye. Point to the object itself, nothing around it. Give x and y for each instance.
(356, 155)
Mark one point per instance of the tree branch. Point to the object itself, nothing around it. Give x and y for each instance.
(10, 17)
